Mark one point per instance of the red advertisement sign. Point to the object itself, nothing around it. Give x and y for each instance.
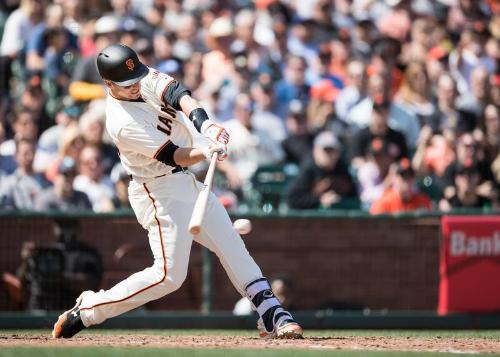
(470, 264)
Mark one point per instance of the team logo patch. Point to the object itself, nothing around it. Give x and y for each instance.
(130, 64)
(268, 294)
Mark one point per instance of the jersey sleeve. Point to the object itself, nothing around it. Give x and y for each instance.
(156, 84)
(143, 139)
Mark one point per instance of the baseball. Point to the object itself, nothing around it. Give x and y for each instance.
(242, 226)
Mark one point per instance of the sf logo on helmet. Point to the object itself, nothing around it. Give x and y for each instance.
(130, 64)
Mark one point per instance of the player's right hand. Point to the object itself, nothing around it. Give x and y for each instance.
(220, 149)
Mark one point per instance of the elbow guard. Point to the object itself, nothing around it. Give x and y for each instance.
(198, 116)
(166, 153)
(173, 94)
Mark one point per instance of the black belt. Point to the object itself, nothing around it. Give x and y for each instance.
(177, 169)
(174, 171)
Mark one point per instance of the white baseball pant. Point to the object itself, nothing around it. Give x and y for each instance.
(163, 207)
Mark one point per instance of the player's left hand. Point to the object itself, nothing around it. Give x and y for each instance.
(215, 132)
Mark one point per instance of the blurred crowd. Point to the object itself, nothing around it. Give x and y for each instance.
(379, 105)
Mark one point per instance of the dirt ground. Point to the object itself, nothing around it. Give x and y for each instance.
(431, 344)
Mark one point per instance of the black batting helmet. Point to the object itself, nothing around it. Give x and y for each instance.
(120, 65)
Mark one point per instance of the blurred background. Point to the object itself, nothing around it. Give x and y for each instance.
(357, 127)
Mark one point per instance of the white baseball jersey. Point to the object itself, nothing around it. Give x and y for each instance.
(141, 128)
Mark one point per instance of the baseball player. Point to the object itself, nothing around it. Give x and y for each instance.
(155, 147)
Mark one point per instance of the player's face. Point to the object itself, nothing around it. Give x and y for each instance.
(128, 92)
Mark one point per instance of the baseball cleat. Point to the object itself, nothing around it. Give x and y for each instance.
(69, 322)
(291, 330)
(286, 329)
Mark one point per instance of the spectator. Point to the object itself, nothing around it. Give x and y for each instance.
(469, 57)
(446, 120)
(436, 62)
(355, 90)
(39, 49)
(403, 196)
(362, 38)
(292, 86)
(7, 163)
(93, 182)
(53, 275)
(143, 46)
(466, 183)
(76, 12)
(86, 83)
(385, 61)
(25, 127)
(219, 69)
(320, 110)
(324, 92)
(432, 157)
(468, 150)
(20, 190)
(359, 116)
(7, 166)
(71, 144)
(480, 90)
(245, 42)
(20, 26)
(252, 149)
(396, 23)
(62, 196)
(263, 118)
(299, 142)
(495, 89)
(465, 14)
(495, 169)
(412, 103)
(489, 133)
(301, 41)
(325, 70)
(121, 179)
(130, 19)
(50, 140)
(284, 290)
(92, 128)
(421, 40)
(154, 13)
(323, 180)
(83, 265)
(35, 100)
(339, 58)
(188, 38)
(378, 128)
(374, 174)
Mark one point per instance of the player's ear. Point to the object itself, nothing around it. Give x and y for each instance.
(108, 83)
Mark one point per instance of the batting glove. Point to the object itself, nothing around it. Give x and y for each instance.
(214, 132)
(219, 148)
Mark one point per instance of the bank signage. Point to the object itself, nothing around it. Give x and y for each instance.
(464, 244)
(470, 264)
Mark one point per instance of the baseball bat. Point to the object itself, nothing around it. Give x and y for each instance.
(201, 202)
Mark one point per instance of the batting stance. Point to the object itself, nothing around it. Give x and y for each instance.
(155, 146)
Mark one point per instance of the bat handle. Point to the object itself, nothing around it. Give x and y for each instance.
(213, 161)
(202, 200)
